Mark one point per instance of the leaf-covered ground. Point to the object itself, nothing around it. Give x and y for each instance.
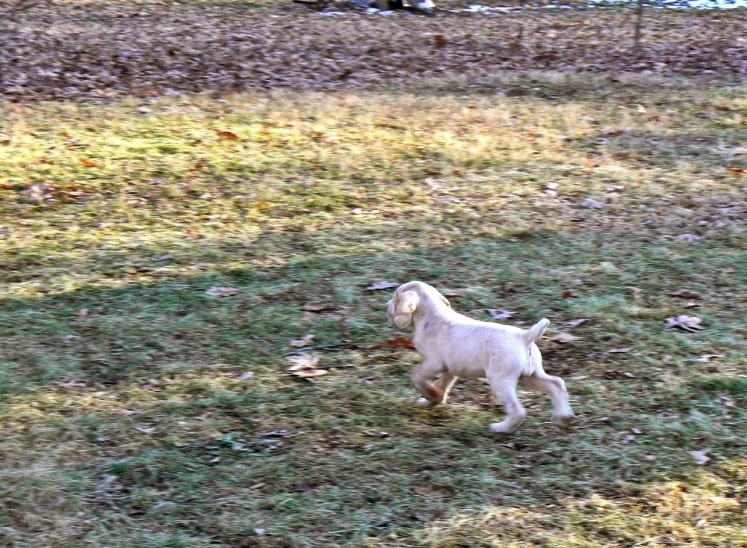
(106, 49)
(161, 256)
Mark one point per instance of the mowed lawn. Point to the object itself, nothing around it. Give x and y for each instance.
(141, 406)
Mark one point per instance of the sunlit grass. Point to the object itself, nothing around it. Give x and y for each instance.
(128, 414)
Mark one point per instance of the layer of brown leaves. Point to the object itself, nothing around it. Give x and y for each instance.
(110, 49)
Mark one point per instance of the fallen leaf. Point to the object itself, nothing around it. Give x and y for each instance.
(88, 163)
(592, 203)
(689, 238)
(576, 323)
(381, 285)
(685, 294)
(303, 361)
(426, 491)
(705, 358)
(317, 307)
(310, 373)
(70, 382)
(620, 350)
(736, 170)
(500, 314)
(226, 134)
(399, 342)
(568, 294)
(634, 291)
(145, 430)
(259, 485)
(564, 338)
(303, 341)
(700, 457)
(217, 291)
(688, 323)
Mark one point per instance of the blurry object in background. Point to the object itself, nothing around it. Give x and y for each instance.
(425, 6)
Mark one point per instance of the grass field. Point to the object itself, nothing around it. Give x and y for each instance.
(138, 409)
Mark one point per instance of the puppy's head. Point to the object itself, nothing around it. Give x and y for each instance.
(408, 298)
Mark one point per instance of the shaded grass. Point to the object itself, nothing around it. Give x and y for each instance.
(130, 423)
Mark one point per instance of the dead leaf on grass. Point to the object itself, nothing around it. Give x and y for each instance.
(399, 342)
(564, 338)
(685, 294)
(305, 366)
(688, 323)
(303, 361)
(70, 382)
(620, 350)
(700, 457)
(303, 341)
(737, 170)
(88, 163)
(500, 313)
(222, 291)
(310, 373)
(705, 358)
(375, 286)
(317, 307)
(226, 134)
(425, 491)
(592, 203)
(688, 238)
(576, 323)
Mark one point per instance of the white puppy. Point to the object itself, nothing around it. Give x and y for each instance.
(454, 346)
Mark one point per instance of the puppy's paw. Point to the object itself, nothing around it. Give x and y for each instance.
(501, 428)
(564, 421)
(422, 402)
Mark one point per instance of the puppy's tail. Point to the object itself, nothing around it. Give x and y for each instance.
(536, 331)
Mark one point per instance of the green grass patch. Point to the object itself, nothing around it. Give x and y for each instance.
(138, 409)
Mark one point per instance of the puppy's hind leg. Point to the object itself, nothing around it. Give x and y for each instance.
(505, 390)
(433, 394)
(553, 387)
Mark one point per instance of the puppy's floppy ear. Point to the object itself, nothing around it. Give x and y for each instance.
(407, 303)
(445, 300)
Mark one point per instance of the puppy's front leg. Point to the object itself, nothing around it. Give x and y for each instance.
(421, 379)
